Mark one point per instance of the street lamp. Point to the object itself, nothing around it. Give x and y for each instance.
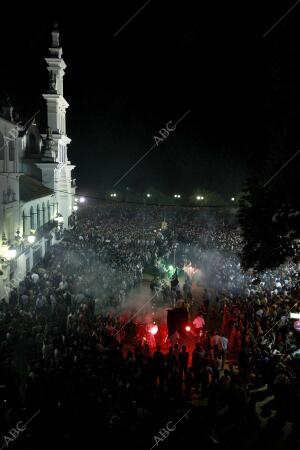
(18, 236)
(232, 199)
(148, 195)
(31, 237)
(4, 239)
(75, 208)
(81, 200)
(59, 218)
(11, 253)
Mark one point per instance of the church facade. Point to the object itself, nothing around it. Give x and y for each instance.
(37, 191)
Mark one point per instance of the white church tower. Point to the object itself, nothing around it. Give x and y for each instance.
(55, 166)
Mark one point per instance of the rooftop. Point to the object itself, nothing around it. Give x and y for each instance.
(30, 189)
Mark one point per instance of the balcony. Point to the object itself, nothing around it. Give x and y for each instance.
(44, 230)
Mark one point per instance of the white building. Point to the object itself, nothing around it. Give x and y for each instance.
(36, 187)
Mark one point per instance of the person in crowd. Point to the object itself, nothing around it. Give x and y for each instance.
(223, 345)
(183, 362)
(199, 324)
(215, 341)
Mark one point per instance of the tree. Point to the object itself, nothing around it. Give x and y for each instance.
(270, 207)
(270, 223)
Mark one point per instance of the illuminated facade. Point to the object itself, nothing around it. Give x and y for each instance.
(36, 187)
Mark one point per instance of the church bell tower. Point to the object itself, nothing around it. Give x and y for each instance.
(56, 174)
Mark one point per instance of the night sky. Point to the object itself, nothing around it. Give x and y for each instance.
(207, 57)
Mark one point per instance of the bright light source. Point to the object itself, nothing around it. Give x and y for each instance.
(201, 198)
(113, 195)
(31, 239)
(59, 218)
(198, 197)
(11, 253)
(81, 200)
(188, 328)
(177, 195)
(75, 208)
(232, 199)
(75, 199)
(148, 195)
(153, 330)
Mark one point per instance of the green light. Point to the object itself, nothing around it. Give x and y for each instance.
(171, 271)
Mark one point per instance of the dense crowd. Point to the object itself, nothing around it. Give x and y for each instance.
(68, 357)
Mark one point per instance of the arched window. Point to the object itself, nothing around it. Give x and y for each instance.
(11, 151)
(32, 218)
(24, 223)
(48, 210)
(38, 216)
(44, 213)
(32, 144)
(2, 145)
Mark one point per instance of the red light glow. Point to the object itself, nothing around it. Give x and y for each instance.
(187, 328)
(153, 330)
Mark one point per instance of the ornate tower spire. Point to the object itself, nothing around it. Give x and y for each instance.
(55, 36)
(55, 166)
(56, 104)
(55, 49)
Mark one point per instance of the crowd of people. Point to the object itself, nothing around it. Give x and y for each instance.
(70, 359)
